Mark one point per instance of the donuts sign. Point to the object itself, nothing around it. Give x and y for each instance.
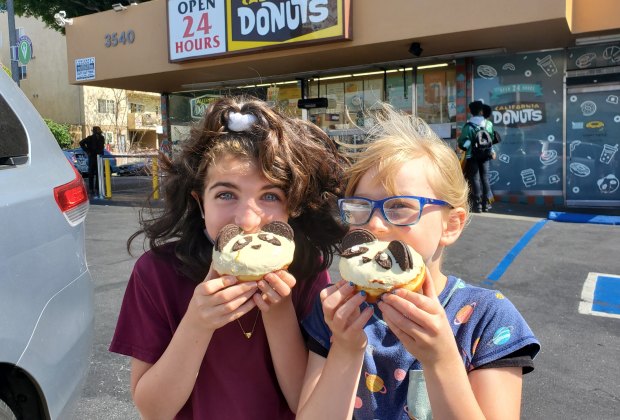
(202, 28)
(519, 114)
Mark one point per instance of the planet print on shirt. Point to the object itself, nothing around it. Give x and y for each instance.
(502, 335)
(374, 383)
(400, 374)
(463, 315)
(475, 347)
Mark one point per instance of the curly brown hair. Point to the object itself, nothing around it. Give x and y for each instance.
(292, 154)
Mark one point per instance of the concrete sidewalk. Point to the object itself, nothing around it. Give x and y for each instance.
(577, 372)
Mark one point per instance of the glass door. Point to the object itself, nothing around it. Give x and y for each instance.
(592, 142)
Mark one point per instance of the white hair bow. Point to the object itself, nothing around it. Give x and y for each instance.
(240, 122)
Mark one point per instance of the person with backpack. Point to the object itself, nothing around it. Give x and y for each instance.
(93, 145)
(477, 142)
(487, 111)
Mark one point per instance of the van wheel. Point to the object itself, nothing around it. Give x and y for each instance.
(5, 412)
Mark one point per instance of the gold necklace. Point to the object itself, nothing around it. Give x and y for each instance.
(248, 335)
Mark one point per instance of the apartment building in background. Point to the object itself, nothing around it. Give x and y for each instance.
(130, 119)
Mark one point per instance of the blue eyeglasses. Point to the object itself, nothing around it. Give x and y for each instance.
(399, 210)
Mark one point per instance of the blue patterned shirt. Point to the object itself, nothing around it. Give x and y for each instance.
(486, 325)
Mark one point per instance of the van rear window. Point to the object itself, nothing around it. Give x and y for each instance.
(13, 139)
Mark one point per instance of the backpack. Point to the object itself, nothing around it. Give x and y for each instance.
(496, 137)
(482, 144)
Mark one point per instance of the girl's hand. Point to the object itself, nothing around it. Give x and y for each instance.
(274, 288)
(420, 323)
(343, 316)
(219, 300)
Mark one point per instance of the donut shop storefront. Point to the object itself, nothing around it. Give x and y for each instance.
(554, 92)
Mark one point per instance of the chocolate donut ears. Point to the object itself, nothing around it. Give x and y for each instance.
(400, 250)
(230, 231)
(280, 229)
(357, 237)
(401, 254)
(225, 235)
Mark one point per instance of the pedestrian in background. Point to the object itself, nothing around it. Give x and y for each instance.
(93, 145)
(477, 157)
(487, 113)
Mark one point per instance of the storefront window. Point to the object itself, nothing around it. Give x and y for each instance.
(525, 92)
(332, 117)
(399, 89)
(436, 97)
(436, 93)
(352, 100)
(284, 96)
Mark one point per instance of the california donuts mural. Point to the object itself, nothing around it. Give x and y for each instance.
(593, 129)
(526, 94)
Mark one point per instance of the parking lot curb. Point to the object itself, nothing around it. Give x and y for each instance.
(601, 219)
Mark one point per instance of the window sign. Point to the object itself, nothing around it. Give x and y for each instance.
(199, 105)
(196, 28)
(211, 27)
(85, 69)
(525, 92)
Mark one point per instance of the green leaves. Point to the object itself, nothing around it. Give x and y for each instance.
(45, 9)
(60, 132)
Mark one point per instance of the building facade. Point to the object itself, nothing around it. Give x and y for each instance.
(550, 70)
(129, 118)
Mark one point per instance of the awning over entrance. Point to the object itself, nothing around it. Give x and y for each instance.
(381, 36)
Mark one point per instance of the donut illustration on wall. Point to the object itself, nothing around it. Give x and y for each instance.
(486, 72)
(608, 184)
(579, 169)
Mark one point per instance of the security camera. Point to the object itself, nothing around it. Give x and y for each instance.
(61, 19)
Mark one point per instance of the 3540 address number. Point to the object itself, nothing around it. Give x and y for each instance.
(125, 37)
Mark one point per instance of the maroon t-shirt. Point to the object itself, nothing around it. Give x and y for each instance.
(237, 379)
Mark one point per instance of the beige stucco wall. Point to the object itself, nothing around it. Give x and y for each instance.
(47, 85)
(381, 32)
(595, 15)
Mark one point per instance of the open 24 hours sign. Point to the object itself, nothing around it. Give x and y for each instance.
(206, 28)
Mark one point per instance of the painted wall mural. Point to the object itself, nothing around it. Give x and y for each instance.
(593, 139)
(591, 56)
(526, 94)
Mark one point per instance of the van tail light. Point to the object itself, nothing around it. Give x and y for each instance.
(72, 199)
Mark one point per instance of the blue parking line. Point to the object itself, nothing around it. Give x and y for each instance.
(607, 295)
(503, 265)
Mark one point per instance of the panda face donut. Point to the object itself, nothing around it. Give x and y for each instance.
(249, 256)
(377, 266)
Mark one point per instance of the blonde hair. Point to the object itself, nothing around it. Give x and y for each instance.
(397, 138)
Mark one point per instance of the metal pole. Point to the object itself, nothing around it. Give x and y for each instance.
(12, 41)
(100, 180)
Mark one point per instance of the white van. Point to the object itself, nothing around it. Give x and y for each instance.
(46, 290)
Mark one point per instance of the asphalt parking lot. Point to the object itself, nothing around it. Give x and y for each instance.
(540, 265)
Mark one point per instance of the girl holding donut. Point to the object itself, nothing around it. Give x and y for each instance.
(450, 351)
(204, 345)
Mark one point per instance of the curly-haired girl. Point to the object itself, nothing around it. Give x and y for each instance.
(210, 346)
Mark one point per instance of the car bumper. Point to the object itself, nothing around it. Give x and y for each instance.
(59, 358)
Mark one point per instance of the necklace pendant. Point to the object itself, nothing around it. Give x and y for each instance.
(248, 335)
